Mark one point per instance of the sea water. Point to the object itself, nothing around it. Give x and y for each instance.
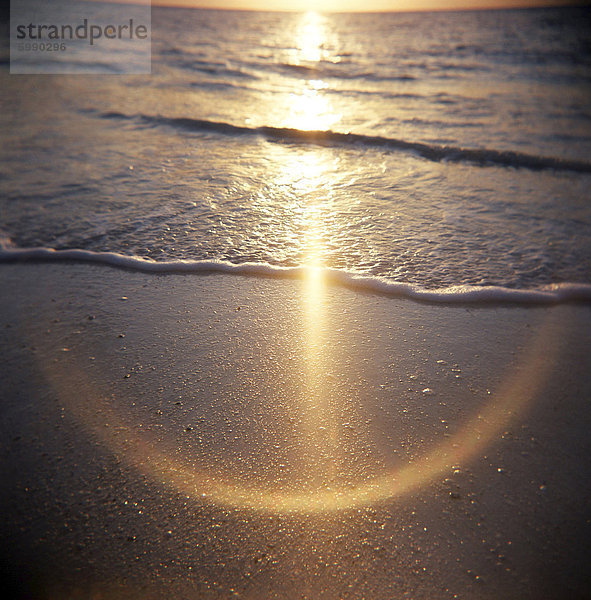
(413, 152)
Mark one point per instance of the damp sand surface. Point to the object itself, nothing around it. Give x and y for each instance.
(220, 436)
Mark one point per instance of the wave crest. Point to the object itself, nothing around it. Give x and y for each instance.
(480, 157)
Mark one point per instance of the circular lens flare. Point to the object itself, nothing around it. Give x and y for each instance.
(513, 395)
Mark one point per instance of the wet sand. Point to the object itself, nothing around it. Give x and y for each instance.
(219, 436)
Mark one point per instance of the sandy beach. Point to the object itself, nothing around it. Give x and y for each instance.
(221, 436)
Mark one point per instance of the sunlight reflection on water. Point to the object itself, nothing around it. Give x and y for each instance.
(308, 108)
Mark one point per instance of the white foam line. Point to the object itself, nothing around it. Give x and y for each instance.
(549, 294)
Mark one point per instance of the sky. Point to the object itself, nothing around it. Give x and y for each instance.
(361, 5)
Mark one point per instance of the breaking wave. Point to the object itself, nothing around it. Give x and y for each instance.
(481, 157)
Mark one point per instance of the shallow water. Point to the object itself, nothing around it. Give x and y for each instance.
(451, 148)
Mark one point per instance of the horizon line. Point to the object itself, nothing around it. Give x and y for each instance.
(525, 5)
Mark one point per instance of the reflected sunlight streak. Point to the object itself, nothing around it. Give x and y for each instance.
(310, 111)
(308, 107)
(310, 37)
(317, 429)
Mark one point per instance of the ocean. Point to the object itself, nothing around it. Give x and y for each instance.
(415, 152)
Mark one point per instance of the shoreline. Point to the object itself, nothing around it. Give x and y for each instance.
(466, 294)
(132, 399)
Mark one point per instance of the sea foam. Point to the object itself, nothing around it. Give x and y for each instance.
(458, 294)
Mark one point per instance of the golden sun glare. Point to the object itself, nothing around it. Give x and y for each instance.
(309, 108)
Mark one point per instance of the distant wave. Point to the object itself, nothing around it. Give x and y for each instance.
(327, 70)
(215, 69)
(461, 294)
(481, 157)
